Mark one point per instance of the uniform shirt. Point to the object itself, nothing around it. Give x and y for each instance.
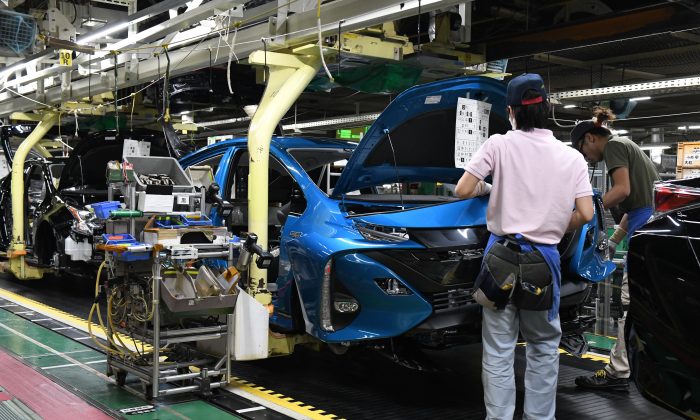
(536, 180)
(623, 152)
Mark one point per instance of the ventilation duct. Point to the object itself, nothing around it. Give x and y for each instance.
(17, 31)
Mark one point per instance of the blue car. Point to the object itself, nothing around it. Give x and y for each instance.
(384, 250)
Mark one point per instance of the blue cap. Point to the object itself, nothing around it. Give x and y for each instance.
(521, 84)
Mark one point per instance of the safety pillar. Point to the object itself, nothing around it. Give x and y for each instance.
(289, 75)
(17, 252)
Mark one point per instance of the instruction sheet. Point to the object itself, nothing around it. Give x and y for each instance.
(471, 129)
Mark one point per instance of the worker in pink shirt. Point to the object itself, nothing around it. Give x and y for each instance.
(540, 190)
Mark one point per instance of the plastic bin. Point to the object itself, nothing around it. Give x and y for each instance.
(170, 222)
(103, 208)
(161, 165)
(196, 220)
(128, 240)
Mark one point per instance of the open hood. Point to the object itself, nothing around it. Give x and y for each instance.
(420, 123)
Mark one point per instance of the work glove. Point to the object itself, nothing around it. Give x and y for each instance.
(614, 240)
(483, 188)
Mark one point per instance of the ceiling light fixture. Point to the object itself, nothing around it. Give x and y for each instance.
(683, 127)
(694, 127)
(654, 147)
(104, 31)
(640, 98)
(569, 106)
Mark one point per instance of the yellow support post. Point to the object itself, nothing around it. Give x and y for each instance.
(18, 265)
(289, 75)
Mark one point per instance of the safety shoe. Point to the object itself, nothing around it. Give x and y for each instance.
(601, 380)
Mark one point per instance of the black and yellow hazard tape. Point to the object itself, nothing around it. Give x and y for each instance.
(299, 407)
(78, 323)
(69, 319)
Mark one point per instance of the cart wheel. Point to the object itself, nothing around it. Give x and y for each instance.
(121, 377)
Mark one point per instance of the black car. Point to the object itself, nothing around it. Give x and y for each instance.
(664, 281)
(57, 191)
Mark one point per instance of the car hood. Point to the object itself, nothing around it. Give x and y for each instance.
(420, 124)
(456, 214)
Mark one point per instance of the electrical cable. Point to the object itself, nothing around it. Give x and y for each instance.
(320, 41)
(95, 305)
(231, 54)
(557, 122)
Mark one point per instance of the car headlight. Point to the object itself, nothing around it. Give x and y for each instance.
(382, 233)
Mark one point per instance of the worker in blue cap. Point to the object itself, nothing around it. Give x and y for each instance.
(537, 181)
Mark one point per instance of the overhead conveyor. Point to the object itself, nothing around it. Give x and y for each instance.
(262, 27)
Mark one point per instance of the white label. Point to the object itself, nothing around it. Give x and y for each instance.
(471, 129)
(136, 148)
(4, 168)
(183, 199)
(430, 100)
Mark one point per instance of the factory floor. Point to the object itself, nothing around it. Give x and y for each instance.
(44, 346)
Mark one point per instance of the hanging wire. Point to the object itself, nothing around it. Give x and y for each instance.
(418, 40)
(116, 87)
(231, 54)
(554, 118)
(320, 41)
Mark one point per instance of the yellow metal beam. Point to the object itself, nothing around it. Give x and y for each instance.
(289, 75)
(17, 252)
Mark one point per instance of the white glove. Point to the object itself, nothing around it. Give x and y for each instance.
(483, 188)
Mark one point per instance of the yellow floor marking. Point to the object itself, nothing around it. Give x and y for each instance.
(587, 356)
(68, 319)
(81, 324)
(286, 402)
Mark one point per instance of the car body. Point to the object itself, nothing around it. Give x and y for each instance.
(60, 231)
(359, 262)
(664, 280)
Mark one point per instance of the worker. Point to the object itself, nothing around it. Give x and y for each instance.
(633, 176)
(537, 182)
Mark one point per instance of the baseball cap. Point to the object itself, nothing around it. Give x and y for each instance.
(521, 84)
(580, 130)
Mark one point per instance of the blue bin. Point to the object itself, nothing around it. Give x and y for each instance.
(126, 239)
(200, 220)
(170, 222)
(104, 208)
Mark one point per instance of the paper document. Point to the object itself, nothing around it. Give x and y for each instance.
(471, 129)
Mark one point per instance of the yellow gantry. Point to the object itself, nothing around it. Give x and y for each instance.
(289, 75)
(17, 252)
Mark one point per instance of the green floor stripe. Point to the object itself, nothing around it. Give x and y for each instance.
(600, 341)
(88, 384)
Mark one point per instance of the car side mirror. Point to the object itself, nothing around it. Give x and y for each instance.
(298, 201)
(213, 197)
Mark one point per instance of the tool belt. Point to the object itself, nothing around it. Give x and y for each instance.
(510, 275)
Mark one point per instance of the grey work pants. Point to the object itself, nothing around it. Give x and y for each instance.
(619, 366)
(500, 334)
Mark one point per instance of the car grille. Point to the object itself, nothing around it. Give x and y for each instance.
(452, 299)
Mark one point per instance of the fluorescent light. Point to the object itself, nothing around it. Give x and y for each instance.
(694, 127)
(620, 131)
(640, 98)
(683, 127)
(654, 147)
(569, 106)
(100, 33)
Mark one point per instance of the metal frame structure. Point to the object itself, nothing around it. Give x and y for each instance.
(257, 28)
